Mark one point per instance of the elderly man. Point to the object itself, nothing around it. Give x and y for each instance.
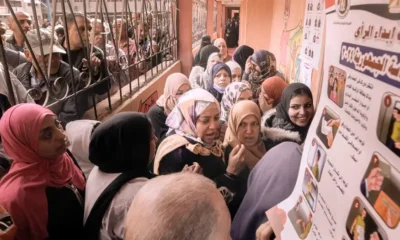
(184, 206)
(16, 40)
(31, 77)
(78, 49)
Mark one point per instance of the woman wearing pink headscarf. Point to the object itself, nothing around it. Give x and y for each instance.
(44, 188)
(175, 86)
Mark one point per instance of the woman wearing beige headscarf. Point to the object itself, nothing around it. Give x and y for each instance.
(244, 129)
(223, 49)
(175, 86)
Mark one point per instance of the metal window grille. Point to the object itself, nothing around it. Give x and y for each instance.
(153, 21)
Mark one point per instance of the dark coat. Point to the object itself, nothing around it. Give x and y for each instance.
(275, 130)
(65, 109)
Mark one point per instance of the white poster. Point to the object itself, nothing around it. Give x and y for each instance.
(313, 31)
(348, 187)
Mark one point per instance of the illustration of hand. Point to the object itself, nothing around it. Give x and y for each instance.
(334, 123)
(299, 221)
(375, 180)
(397, 145)
(330, 138)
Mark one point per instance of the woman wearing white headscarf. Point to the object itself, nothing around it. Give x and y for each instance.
(200, 77)
(79, 133)
(236, 71)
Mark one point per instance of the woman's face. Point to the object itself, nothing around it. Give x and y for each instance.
(256, 69)
(245, 95)
(52, 141)
(248, 132)
(213, 61)
(207, 124)
(301, 110)
(237, 75)
(184, 88)
(223, 50)
(222, 79)
(153, 142)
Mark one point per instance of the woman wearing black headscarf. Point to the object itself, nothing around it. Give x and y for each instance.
(201, 74)
(241, 55)
(121, 149)
(260, 66)
(221, 78)
(291, 118)
(205, 41)
(205, 54)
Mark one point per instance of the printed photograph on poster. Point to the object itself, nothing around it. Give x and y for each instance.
(342, 7)
(360, 223)
(381, 188)
(394, 6)
(388, 129)
(337, 84)
(316, 159)
(310, 190)
(328, 127)
(301, 218)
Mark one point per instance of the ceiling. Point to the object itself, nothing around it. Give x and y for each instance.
(231, 3)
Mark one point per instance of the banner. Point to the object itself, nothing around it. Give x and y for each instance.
(348, 187)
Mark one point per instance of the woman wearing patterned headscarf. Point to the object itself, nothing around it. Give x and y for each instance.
(193, 127)
(260, 66)
(241, 55)
(235, 92)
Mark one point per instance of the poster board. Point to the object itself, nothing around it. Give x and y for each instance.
(348, 185)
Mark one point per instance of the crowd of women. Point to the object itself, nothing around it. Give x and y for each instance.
(235, 120)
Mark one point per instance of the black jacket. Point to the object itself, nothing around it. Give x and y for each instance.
(213, 167)
(76, 58)
(65, 109)
(158, 118)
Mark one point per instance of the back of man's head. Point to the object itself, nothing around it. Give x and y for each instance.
(184, 206)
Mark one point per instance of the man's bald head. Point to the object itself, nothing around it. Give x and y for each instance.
(183, 206)
(24, 20)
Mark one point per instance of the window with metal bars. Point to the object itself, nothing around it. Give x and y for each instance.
(120, 48)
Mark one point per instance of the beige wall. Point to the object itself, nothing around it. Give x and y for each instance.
(264, 25)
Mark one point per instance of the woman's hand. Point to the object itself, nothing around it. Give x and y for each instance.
(236, 160)
(264, 231)
(195, 168)
(248, 66)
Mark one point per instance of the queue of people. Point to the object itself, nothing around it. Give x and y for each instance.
(217, 150)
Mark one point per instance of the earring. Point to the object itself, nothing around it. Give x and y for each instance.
(67, 143)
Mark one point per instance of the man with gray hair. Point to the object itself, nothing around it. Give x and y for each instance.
(184, 206)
